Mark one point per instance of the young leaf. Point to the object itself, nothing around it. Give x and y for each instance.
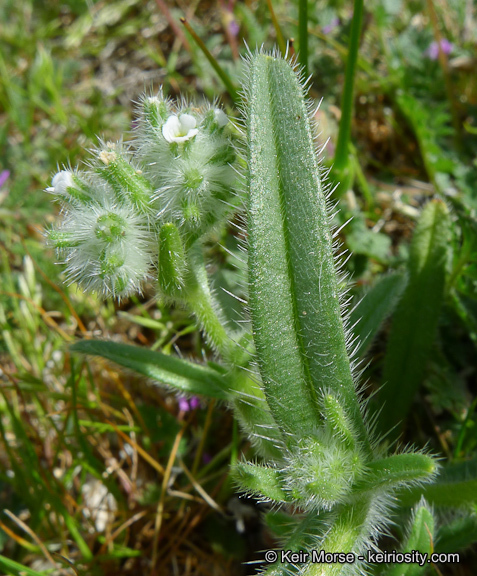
(397, 470)
(259, 480)
(421, 539)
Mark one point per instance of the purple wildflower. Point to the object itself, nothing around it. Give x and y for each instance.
(331, 26)
(194, 403)
(433, 50)
(234, 27)
(4, 176)
(185, 405)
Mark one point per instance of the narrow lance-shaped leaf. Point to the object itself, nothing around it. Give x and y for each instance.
(183, 375)
(415, 321)
(294, 293)
(246, 397)
(346, 534)
(398, 470)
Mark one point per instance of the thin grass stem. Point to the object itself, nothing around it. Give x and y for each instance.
(213, 62)
(342, 147)
(303, 35)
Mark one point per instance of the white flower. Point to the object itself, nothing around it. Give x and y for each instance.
(221, 117)
(61, 182)
(180, 128)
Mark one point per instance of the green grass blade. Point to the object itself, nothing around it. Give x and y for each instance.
(303, 35)
(341, 160)
(278, 31)
(183, 375)
(377, 304)
(226, 80)
(12, 568)
(415, 320)
(294, 293)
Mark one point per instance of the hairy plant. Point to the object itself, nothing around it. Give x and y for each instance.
(144, 209)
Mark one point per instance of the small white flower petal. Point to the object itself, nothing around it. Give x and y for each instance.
(188, 123)
(61, 182)
(171, 128)
(221, 117)
(180, 129)
(188, 136)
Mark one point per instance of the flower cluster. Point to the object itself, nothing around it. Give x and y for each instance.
(178, 172)
(444, 45)
(193, 146)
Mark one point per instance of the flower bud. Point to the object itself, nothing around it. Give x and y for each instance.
(105, 249)
(116, 167)
(68, 186)
(189, 159)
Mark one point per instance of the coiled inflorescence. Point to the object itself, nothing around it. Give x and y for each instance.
(178, 172)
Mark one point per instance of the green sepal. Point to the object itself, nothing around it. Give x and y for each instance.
(156, 111)
(172, 262)
(61, 239)
(415, 321)
(420, 538)
(176, 372)
(376, 305)
(260, 481)
(80, 192)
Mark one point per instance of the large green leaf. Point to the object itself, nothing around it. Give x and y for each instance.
(294, 287)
